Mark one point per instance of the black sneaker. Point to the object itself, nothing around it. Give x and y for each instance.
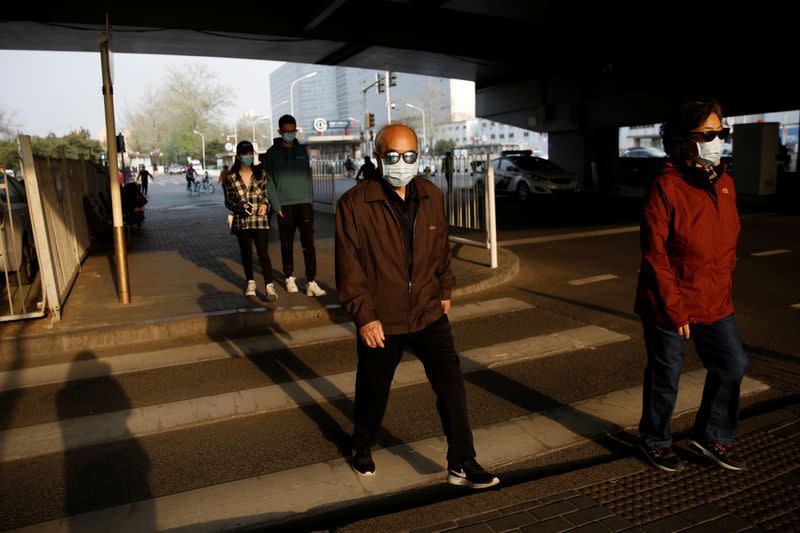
(362, 462)
(719, 453)
(662, 458)
(468, 473)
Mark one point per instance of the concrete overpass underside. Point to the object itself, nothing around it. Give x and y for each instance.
(573, 69)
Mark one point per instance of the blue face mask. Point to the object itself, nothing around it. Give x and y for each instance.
(288, 136)
(247, 160)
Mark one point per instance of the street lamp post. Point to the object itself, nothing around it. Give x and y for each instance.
(279, 104)
(265, 117)
(424, 134)
(203, 141)
(291, 90)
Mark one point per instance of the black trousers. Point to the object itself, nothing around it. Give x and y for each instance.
(435, 349)
(259, 237)
(298, 216)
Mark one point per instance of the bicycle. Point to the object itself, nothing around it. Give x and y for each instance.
(204, 186)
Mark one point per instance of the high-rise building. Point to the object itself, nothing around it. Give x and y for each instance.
(337, 93)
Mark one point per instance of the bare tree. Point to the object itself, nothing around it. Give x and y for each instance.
(8, 125)
(164, 120)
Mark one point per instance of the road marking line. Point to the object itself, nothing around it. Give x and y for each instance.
(275, 498)
(198, 353)
(771, 252)
(593, 279)
(570, 236)
(41, 439)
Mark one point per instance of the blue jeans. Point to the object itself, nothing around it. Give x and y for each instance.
(722, 353)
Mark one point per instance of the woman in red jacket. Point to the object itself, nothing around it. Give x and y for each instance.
(688, 236)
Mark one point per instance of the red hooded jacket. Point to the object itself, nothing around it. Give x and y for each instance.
(688, 237)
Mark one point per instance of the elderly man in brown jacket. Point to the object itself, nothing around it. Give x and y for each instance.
(393, 275)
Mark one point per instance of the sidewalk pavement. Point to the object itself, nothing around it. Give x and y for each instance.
(186, 280)
(621, 493)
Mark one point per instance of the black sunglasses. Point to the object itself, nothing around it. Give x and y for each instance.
(393, 157)
(708, 136)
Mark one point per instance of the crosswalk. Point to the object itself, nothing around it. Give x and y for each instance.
(306, 489)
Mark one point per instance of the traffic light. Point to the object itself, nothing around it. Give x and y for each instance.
(380, 85)
(120, 143)
(392, 79)
(370, 120)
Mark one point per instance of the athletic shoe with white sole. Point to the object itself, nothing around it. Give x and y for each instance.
(271, 294)
(315, 290)
(719, 453)
(291, 284)
(251, 288)
(468, 473)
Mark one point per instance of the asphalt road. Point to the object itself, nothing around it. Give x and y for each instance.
(47, 487)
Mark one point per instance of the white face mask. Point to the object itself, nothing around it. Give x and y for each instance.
(288, 137)
(711, 152)
(400, 174)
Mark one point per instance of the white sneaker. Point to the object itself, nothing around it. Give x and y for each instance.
(314, 290)
(271, 294)
(251, 288)
(291, 284)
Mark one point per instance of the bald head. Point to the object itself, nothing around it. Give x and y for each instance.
(395, 137)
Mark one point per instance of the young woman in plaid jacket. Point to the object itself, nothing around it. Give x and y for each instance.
(249, 194)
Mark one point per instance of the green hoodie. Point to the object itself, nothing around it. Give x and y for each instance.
(290, 170)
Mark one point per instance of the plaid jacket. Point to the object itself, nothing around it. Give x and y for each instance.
(261, 192)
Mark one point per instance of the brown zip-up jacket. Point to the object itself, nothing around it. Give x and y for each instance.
(372, 275)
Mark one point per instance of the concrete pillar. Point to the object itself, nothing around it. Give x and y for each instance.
(593, 156)
(755, 166)
(568, 150)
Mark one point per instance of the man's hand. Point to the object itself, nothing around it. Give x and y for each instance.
(372, 334)
(262, 210)
(446, 306)
(683, 331)
(280, 214)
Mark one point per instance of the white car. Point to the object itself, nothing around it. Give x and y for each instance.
(17, 249)
(518, 173)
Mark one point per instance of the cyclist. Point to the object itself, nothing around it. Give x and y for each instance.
(190, 176)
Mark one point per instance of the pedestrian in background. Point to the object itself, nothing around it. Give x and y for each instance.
(289, 167)
(223, 174)
(689, 230)
(249, 194)
(367, 169)
(144, 179)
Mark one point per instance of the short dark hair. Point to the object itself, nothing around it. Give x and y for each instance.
(286, 119)
(686, 116)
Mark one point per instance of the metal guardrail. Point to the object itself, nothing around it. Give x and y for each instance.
(324, 174)
(55, 190)
(469, 197)
(20, 285)
(468, 185)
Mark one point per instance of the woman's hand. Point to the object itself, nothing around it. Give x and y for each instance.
(262, 210)
(280, 214)
(683, 331)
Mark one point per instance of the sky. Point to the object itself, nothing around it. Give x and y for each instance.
(59, 92)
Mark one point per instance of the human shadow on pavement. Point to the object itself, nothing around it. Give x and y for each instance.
(593, 307)
(286, 369)
(104, 475)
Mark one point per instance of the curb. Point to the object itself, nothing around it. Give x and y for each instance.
(215, 325)
(506, 271)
